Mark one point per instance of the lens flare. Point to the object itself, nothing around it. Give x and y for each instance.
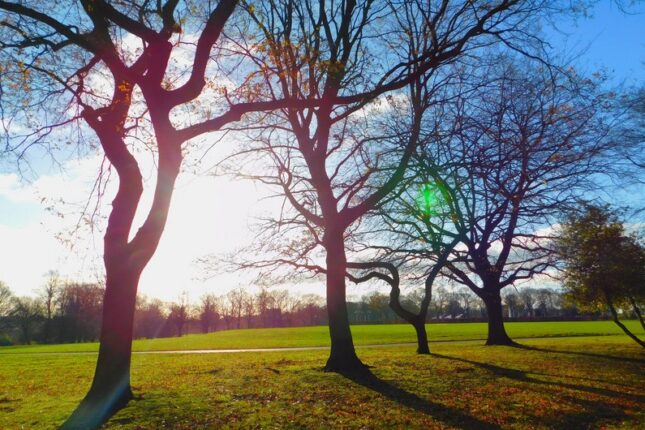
(430, 199)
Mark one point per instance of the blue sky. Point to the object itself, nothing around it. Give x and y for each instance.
(610, 40)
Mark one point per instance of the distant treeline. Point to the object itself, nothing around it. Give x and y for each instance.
(71, 312)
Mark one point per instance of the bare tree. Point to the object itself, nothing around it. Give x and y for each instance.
(236, 299)
(467, 299)
(421, 210)
(531, 142)
(179, 313)
(514, 146)
(325, 160)
(526, 294)
(111, 69)
(630, 131)
(208, 313)
(48, 298)
(417, 226)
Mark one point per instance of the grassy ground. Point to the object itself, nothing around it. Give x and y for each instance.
(567, 383)
(363, 335)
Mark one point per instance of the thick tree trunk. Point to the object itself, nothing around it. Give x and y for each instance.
(496, 330)
(110, 389)
(422, 336)
(342, 357)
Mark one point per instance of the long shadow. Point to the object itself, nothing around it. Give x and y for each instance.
(582, 378)
(593, 414)
(521, 376)
(449, 416)
(584, 354)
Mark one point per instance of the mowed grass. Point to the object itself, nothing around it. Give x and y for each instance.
(363, 335)
(564, 383)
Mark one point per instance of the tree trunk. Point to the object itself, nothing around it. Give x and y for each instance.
(422, 337)
(619, 324)
(496, 330)
(342, 357)
(124, 261)
(417, 321)
(110, 390)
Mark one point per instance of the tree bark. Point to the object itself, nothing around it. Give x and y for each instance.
(496, 330)
(342, 357)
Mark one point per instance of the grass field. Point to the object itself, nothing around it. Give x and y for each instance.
(566, 383)
(363, 335)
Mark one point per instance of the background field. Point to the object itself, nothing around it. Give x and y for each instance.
(363, 335)
(566, 383)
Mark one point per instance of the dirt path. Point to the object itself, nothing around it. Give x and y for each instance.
(301, 348)
(285, 349)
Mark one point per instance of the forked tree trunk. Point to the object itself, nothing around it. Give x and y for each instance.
(622, 326)
(496, 330)
(416, 320)
(342, 357)
(124, 261)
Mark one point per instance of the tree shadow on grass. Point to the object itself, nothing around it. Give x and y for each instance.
(584, 354)
(444, 414)
(592, 414)
(582, 378)
(522, 376)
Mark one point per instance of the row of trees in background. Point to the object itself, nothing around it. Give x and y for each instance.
(71, 312)
(61, 313)
(277, 308)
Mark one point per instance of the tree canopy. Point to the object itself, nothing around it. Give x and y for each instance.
(603, 267)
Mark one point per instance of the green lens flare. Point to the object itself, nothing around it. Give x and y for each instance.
(429, 199)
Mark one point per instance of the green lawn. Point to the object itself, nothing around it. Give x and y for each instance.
(563, 383)
(363, 335)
